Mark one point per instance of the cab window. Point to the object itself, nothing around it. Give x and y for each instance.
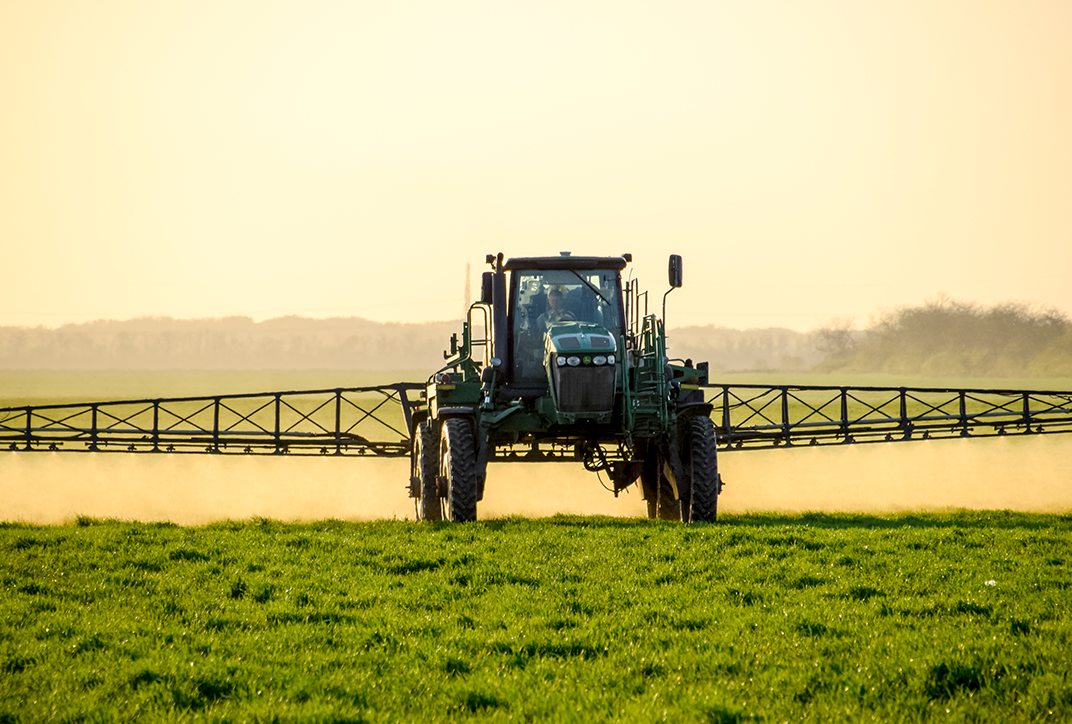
(546, 297)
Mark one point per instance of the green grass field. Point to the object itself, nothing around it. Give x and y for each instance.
(943, 617)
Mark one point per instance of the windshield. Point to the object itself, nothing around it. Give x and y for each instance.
(551, 296)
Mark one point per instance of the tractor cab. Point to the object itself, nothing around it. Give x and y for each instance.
(564, 328)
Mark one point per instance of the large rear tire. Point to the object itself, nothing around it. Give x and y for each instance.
(458, 466)
(426, 466)
(703, 469)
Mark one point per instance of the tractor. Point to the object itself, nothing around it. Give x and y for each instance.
(560, 361)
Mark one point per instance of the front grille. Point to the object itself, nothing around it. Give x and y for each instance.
(584, 389)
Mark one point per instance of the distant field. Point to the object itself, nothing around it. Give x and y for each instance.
(949, 617)
(58, 386)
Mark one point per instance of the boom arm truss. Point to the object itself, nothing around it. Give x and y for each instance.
(376, 420)
(342, 421)
(765, 416)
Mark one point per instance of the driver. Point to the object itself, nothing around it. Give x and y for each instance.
(556, 310)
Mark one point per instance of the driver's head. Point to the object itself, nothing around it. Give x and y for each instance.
(554, 299)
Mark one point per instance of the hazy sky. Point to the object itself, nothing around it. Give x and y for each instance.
(809, 160)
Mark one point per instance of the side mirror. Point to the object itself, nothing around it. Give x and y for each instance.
(675, 270)
(486, 281)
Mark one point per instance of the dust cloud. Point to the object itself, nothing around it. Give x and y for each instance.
(1030, 474)
(1027, 474)
(52, 488)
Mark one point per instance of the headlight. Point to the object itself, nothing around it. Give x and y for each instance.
(561, 361)
(573, 361)
(610, 359)
(599, 359)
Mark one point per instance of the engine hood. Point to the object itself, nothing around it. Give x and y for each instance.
(579, 338)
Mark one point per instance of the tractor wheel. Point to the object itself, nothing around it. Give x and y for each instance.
(658, 492)
(458, 465)
(649, 483)
(703, 468)
(426, 465)
(669, 506)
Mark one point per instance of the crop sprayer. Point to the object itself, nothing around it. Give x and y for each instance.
(559, 361)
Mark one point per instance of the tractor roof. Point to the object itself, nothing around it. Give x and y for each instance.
(565, 262)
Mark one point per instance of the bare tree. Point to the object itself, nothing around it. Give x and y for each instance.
(837, 338)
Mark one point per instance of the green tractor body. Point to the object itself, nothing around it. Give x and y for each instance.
(559, 362)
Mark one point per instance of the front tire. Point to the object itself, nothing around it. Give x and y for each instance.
(426, 466)
(703, 466)
(458, 466)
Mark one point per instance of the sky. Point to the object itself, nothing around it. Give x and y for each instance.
(810, 161)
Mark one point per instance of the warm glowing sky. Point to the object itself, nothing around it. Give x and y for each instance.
(810, 160)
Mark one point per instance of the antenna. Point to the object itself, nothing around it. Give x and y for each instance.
(468, 292)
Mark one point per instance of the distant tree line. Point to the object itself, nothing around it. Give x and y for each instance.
(349, 343)
(745, 350)
(948, 338)
(940, 338)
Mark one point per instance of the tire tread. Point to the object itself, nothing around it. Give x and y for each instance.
(704, 464)
(459, 455)
(428, 468)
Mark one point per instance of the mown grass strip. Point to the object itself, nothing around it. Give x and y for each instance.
(957, 616)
